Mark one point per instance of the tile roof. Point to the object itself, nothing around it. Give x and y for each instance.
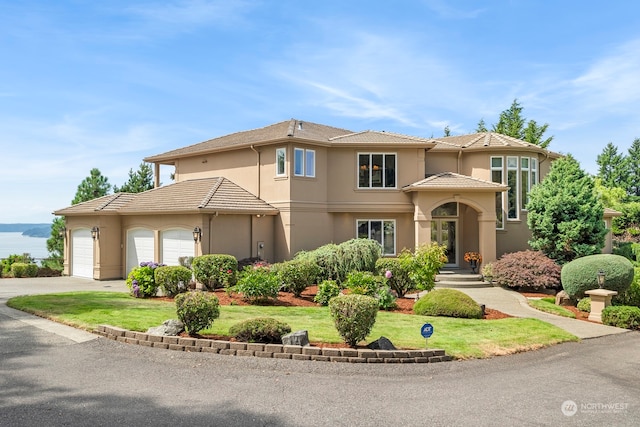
(293, 128)
(102, 205)
(374, 137)
(454, 181)
(192, 196)
(484, 140)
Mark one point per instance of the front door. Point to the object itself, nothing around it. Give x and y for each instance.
(443, 231)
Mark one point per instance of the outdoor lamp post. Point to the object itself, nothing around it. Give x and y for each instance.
(601, 276)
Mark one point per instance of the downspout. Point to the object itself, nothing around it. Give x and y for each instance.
(257, 170)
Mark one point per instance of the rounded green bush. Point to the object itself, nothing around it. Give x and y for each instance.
(448, 303)
(632, 295)
(581, 274)
(197, 310)
(584, 305)
(262, 329)
(621, 316)
(354, 316)
(397, 273)
(297, 275)
(327, 290)
(215, 270)
(173, 279)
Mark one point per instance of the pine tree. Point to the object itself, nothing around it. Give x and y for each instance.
(94, 186)
(139, 181)
(512, 123)
(481, 127)
(633, 168)
(612, 167)
(565, 213)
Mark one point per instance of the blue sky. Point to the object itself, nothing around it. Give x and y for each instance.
(103, 84)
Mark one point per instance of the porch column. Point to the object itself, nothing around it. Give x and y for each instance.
(422, 227)
(487, 237)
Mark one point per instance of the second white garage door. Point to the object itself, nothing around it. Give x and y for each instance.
(176, 243)
(140, 247)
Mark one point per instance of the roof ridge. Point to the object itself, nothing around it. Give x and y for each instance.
(211, 193)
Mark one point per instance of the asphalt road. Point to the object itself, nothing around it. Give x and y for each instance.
(47, 379)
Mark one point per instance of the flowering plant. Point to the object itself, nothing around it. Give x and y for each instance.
(472, 256)
(141, 280)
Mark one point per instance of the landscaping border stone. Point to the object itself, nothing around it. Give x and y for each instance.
(274, 351)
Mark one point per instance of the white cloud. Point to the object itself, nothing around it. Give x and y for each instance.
(191, 12)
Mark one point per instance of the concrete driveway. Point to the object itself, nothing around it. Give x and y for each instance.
(49, 379)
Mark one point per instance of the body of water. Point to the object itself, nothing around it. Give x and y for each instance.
(16, 243)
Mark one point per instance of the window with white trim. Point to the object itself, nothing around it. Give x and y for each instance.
(304, 162)
(497, 177)
(520, 174)
(281, 161)
(382, 231)
(377, 170)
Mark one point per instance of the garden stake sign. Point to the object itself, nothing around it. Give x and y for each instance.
(426, 331)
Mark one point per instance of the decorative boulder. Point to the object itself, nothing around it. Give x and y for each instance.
(296, 338)
(381, 343)
(169, 327)
(563, 298)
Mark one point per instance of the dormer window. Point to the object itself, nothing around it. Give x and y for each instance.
(376, 170)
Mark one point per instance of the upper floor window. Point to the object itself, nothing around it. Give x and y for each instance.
(281, 161)
(304, 162)
(497, 176)
(376, 170)
(520, 174)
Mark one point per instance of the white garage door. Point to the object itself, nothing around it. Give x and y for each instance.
(176, 243)
(140, 247)
(82, 253)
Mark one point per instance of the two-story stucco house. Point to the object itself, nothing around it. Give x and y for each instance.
(295, 185)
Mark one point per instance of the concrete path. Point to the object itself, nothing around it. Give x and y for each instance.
(515, 304)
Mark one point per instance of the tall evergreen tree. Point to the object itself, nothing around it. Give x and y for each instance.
(94, 186)
(139, 181)
(565, 213)
(481, 127)
(633, 168)
(512, 123)
(612, 167)
(447, 131)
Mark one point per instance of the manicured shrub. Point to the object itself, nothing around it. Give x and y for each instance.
(398, 279)
(297, 275)
(215, 270)
(11, 259)
(327, 258)
(621, 316)
(262, 329)
(141, 280)
(336, 261)
(258, 284)
(423, 265)
(365, 283)
(584, 305)
(358, 255)
(173, 279)
(354, 316)
(327, 290)
(632, 295)
(526, 269)
(197, 310)
(487, 272)
(448, 303)
(22, 269)
(581, 274)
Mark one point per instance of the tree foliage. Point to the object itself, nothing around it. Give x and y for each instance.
(94, 186)
(512, 123)
(139, 181)
(612, 167)
(633, 169)
(565, 213)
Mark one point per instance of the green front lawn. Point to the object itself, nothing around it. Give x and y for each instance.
(460, 338)
(548, 305)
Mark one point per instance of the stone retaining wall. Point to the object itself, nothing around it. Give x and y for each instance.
(274, 351)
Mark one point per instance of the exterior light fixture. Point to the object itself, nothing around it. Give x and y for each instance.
(63, 232)
(95, 232)
(197, 234)
(601, 276)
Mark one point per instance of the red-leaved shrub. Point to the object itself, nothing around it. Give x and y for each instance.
(527, 269)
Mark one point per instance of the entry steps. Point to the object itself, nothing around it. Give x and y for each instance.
(460, 279)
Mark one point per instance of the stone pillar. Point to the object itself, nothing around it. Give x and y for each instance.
(600, 299)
